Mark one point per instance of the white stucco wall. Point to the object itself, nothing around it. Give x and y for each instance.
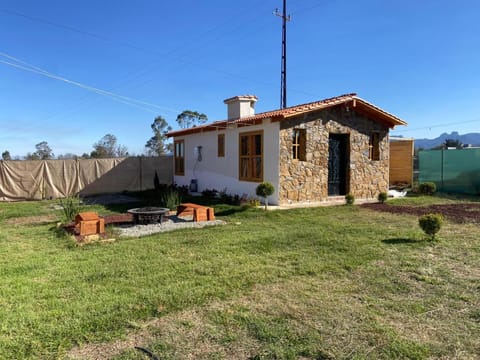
(218, 173)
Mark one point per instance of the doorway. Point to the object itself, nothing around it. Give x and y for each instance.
(338, 145)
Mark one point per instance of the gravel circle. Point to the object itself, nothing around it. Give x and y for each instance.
(170, 224)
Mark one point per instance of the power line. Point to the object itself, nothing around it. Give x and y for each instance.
(71, 29)
(121, 98)
(184, 50)
(305, 9)
(439, 125)
(175, 61)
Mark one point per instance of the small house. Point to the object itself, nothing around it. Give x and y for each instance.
(401, 161)
(312, 152)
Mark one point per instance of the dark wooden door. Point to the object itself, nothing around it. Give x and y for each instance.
(337, 164)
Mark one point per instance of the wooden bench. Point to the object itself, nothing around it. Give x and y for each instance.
(199, 212)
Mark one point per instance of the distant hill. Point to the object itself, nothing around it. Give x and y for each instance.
(470, 138)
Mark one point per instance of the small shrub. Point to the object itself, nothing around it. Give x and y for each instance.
(265, 189)
(229, 199)
(254, 202)
(225, 198)
(71, 206)
(427, 188)
(170, 198)
(415, 188)
(236, 200)
(156, 182)
(431, 224)
(382, 197)
(209, 194)
(183, 190)
(349, 199)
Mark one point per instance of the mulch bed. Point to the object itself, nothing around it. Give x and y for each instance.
(118, 219)
(458, 213)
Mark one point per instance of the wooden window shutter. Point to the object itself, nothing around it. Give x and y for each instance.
(221, 145)
(302, 151)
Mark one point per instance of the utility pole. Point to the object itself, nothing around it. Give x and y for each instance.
(285, 18)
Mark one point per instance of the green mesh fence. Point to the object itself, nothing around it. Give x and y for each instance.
(456, 171)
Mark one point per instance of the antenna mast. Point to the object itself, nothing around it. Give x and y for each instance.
(285, 18)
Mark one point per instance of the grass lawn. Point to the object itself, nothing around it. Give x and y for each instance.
(319, 283)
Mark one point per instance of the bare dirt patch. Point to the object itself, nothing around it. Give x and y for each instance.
(458, 213)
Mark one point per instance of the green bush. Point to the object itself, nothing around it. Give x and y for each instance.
(210, 194)
(427, 188)
(431, 224)
(230, 199)
(349, 199)
(382, 197)
(71, 206)
(170, 198)
(265, 189)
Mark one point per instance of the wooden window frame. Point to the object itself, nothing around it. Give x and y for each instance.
(374, 146)
(221, 145)
(299, 144)
(250, 157)
(179, 157)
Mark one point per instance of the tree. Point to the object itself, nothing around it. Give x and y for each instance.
(190, 118)
(156, 145)
(107, 147)
(32, 156)
(6, 155)
(67, 156)
(265, 189)
(455, 143)
(44, 152)
(449, 143)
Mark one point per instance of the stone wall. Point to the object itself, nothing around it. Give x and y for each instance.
(303, 181)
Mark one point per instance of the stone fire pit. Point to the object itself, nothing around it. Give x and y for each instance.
(148, 215)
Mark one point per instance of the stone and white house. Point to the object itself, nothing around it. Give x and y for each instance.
(311, 152)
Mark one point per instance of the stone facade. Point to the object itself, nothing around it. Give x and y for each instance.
(303, 181)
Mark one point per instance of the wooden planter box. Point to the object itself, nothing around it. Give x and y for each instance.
(199, 212)
(89, 223)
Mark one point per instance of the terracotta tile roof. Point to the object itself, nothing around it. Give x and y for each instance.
(352, 100)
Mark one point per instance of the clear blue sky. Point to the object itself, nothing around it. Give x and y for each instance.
(418, 59)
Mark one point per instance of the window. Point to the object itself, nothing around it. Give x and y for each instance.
(179, 156)
(251, 156)
(221, 145)
(374, 145)
(299, 144)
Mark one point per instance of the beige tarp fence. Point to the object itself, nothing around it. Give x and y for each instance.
(45, 179)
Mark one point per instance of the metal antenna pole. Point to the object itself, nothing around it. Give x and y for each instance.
(285, 18)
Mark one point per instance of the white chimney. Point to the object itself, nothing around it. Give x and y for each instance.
(241, 106)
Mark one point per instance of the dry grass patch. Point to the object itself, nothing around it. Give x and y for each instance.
(307, 317)
(32, 220)
(414, 303)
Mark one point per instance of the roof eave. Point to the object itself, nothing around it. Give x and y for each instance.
(380, 115)
(357, 103)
